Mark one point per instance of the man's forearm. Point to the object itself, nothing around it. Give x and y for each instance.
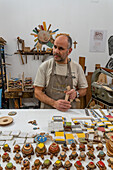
(82, 92)
(40, 95)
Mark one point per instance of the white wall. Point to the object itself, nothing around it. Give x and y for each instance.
(76, 17)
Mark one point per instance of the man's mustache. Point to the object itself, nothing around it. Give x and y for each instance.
(57, 54)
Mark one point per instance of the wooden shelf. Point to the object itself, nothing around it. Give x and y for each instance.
(34, 53)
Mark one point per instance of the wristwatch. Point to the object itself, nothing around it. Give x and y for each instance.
(78, 94)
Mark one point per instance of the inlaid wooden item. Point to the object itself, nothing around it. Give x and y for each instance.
(73, 155)
(57, 165)
(82, 156)
(91, 166)
(100, 146)
(46, 164)
(90, 146)
(73, 147)
(37, 164)
(41, 150)
(26, 165)
(62, 156)
(78, 165)
(109, 146)
(5, 120)
(16, 148)
(1, 167)
(18, 158)
(110, 162)
(101, 155)
(54, 149)
(67, 165)
(10, 166)
(101, 165)
(90, 155)
(64, 147)
(5, 157)
(81, 147)
(6, 148)
(27, 150)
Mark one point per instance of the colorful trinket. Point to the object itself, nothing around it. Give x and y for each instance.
(101, 165)
(90, 146)
(62, 156)
(16, 148)
(40, 150)
(46, 164)
(73, 155)
(36, 165)
(82, 156)
(27, 150)
(91, 155)
(91, 166)
(109, 146)
(73, 147)
(57, 165)
(54, 149)
(78, 165)
(81, 147)
(26, 164)
(18, 158)
(6, 148)
(67, 165)
(110, 162)
(100, 146)
(1, 167)
(5, 157)
(101, 155)
(64, 147)
(10, 166)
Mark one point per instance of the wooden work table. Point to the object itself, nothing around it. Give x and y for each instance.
(17, 97)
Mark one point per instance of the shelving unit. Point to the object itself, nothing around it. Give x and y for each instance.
(2, 69)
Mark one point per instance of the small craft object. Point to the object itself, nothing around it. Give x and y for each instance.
(42, 137)
(5, 157)
(37, 164)
(26, 164)
(57, 165)
(10, 166)
(100, 146)
(78, 165)
(81, 147)
(109, 146)
(67, 127)
(12, 113)
(101, 165)
(1, 167)
(110, 162)
(90, 146)
(41, 150)
(90, 155)
(64, 147)
(54, 149)
(73, 155)
(91, 166)
(62, 156)
(46, 164)
(73, 147)
(67, 165)
(27, 150)
(101, 155)
(82, 156)
(5, 120)
(33, 122)
(18, 158)
(6, 148)
(16, 148)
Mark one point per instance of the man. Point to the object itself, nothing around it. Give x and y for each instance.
(56, 74)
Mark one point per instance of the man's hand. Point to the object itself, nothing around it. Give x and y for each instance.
(62, 105)
(72, 94)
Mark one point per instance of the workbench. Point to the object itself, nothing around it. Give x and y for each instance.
(42, 117)
(15, 97)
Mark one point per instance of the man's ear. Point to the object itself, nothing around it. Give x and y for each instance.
(69, 51)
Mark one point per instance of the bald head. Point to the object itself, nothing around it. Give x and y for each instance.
(66, 38)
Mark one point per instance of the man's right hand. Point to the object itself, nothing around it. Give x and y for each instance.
(62, 105)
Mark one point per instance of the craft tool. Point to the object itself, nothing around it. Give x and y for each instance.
(96, 113)
(87, 112)
(93, 113)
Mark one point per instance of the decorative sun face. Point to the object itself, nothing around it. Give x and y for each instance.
(43, 36)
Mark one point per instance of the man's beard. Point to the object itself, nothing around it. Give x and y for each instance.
(60, 58)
